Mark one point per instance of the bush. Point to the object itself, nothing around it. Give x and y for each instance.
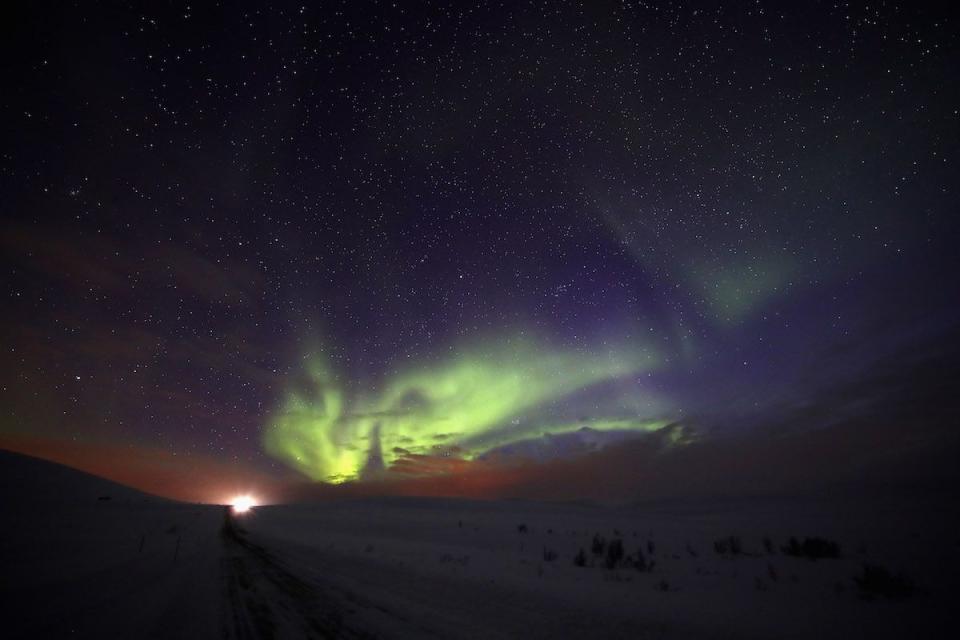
(640, 562)
(768, 545)
(812, 548)
(735, 547)
(614, 553)
(876, 581)
(521, 528)
(598, 545)
(549, 555)
(730, 544)
(580, 560)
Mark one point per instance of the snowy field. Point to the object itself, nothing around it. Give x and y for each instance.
(76, 564)
(411, 568)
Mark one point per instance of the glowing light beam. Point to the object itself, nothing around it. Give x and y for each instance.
(242, 504)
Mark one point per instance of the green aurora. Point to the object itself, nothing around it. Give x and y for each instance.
(472, 401)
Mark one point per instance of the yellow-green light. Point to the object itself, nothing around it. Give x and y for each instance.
(471, 398)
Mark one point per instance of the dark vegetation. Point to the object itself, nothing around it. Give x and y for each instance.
(598, 545)
(640, 563)
(611, 554)
(614, 553)
(768, 545)
(812, 548)
(580, 560)
(730, 545)
(878, 582)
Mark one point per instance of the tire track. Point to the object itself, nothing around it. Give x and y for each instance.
(266, 601)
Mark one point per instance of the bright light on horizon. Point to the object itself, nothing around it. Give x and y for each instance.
(242, 504)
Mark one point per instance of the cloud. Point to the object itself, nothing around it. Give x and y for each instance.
(442, 460)
(105, 263)
(84, 261)
(550, 446)
(215, 281)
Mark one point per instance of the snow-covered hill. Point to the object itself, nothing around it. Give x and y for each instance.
(85, 557)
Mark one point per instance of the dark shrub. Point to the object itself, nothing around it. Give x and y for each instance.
(549, 555)
(640, 563)
(730, 544)
(812, 548)
(768, 545)
(876, 581)
(598, 545)
(735, 546)
(792, 548)
(580, 560)
(521, 528)
(614, 553)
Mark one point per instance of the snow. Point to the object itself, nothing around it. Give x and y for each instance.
(462, 569)
(445, 568)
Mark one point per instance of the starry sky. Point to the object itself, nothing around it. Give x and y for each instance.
(247, 247)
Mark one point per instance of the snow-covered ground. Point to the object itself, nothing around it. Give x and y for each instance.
(415, 567)
(135, 566)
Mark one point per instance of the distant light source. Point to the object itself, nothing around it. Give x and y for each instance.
(242, 504)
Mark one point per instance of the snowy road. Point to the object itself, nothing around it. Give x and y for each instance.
(264, 599)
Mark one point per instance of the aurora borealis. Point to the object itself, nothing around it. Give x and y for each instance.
(473, 400)
(250, 247)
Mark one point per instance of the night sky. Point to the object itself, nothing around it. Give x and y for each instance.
(245, 246)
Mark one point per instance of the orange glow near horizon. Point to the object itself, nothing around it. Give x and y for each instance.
(243, 504)
(152, 470)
